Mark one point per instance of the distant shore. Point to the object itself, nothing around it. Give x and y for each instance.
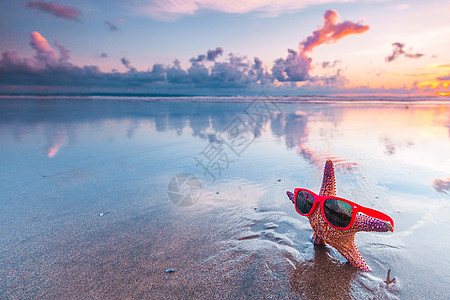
(353, 98)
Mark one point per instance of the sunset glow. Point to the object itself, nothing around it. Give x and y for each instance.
(438, 87)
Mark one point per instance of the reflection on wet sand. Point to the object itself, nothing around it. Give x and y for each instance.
(56, 139)
(322, 277)
(317, 158)
(307, 128)
(441, 185)
(392, 147)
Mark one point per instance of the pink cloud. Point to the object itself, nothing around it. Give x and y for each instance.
(11, 62)
(331, 31)
(44, 52)
(296, 66)
(40, 44)
(56, 9)
(170, 10)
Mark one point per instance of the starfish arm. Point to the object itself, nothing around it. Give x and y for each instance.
(329, 181)
(348, 250)
(291, 196)
(366, 223)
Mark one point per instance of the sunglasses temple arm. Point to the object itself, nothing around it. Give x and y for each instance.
(376, 214)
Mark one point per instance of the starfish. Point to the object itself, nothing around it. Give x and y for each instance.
(388, 280)
(342, 240)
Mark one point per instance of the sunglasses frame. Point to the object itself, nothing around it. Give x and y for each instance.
(356, 208)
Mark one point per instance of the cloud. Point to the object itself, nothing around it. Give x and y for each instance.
(444, 77)
(198, 73)
(51, 70)
(337, 79)
(111, 26)
(327, 64)
(171, 10)
(125, 62)
(200, 58)
(47, 68)
(297, 65)
(103, 55)
(176, 74)
(64, 54)
(398, 51)
(45, 54)
(56, 9)
(440, 66)
(211, 55)
(11, 63)
(233, 73)
(258, 64)
(331, 31)
(258, 71)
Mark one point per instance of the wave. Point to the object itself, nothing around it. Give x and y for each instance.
(341, 99)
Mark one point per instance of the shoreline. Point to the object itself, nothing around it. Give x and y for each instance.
(308, 99)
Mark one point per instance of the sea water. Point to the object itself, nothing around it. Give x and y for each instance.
(99, 196)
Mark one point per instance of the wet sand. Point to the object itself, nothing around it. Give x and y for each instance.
(86, 213)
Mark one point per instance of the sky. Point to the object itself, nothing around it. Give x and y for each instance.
(225, 47)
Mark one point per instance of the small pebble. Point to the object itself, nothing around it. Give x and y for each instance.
(278, 180)
(170, 270)
(217, 193)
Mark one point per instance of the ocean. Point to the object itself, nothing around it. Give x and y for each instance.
(185, 197)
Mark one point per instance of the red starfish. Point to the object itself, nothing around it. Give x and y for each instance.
(342, 240)
(388, 280)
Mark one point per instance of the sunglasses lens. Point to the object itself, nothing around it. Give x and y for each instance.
(304, 202)
(338, 213)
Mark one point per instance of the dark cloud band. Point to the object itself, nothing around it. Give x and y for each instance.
(56, 9)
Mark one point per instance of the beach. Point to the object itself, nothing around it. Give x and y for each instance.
(186, 198)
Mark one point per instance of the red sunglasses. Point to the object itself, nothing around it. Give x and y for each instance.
(338, 212)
